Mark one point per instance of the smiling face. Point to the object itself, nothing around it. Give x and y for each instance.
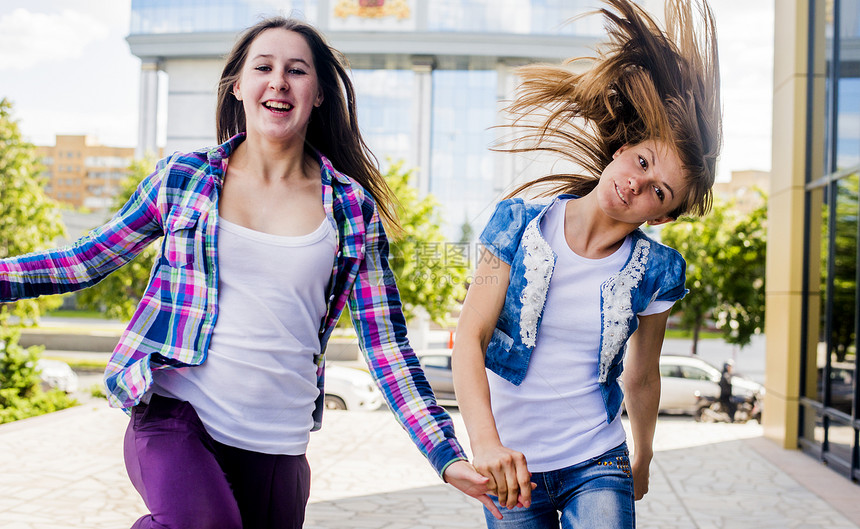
(643, 183)
(278, 86)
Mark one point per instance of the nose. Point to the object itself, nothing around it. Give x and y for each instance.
(634, 184)
(279, 83)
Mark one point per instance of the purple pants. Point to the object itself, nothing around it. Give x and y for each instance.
(190, 481)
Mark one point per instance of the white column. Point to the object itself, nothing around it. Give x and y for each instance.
(147, 132)
(422, 116)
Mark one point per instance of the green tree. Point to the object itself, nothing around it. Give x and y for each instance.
(844, 267)
(118, 294)
(29, 219)
(740, 313)
(725, 254)
(431, 272)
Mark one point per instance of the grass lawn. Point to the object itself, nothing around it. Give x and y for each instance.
(683, 333)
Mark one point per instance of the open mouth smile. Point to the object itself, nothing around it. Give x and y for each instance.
(620, 196)
(278, 106)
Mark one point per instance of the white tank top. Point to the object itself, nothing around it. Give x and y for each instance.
(557, 417)
(257, 388)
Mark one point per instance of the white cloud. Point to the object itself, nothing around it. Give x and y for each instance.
(28, 39)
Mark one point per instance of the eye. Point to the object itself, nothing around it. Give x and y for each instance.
(297, 71)
(643, 163)
(263, 68)
(660, 194)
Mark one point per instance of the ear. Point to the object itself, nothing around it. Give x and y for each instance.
(619, 151)
(237, 92)
(660, 220)
(319, 99)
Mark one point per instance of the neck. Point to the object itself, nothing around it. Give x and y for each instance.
(271, 161)
(591, 233)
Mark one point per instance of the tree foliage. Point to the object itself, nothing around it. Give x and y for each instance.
(431, 271)
(21, 392)
(843, 292)
(29, 219)
(725, 254)
(118, 294)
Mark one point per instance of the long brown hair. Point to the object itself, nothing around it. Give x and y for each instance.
(646, 83)
(333, 128)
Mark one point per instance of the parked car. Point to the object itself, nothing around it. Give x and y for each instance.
(841, 386)
(436, 364)
(683, 377)
(350, 388)
(57, 375)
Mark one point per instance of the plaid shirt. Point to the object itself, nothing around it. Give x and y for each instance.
(173, 323)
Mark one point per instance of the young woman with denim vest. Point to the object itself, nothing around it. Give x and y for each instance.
(265, 241)
(567, 285)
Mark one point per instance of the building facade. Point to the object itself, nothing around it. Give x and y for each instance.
(431, 77)
(813, 304)
(82, 173)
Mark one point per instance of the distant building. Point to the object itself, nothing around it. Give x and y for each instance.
(743, 189)
(430, 77)
(83, 173)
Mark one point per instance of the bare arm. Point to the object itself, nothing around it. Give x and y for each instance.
(642, 393)
(506, 469)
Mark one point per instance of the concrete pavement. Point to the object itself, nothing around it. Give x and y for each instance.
(65, 470)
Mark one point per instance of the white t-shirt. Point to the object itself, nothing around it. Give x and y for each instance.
(257, 388)
(557, 417)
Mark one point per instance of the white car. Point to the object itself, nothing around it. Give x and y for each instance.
(350, 388)
(57, 375)
(681, 377)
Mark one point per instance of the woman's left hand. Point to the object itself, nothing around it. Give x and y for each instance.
(463, 476)
(641, 467)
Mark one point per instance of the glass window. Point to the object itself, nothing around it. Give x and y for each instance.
(542, 17)
(461, 166)
(384, 101)
(182, 16)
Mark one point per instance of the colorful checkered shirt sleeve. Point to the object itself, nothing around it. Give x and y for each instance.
(378, 319)
(89, 259)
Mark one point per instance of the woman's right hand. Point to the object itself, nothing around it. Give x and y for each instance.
(508, 473)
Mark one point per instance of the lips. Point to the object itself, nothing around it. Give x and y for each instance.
(279, 106)
(620, 196)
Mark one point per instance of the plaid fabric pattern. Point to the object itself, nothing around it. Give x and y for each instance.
(173, 323)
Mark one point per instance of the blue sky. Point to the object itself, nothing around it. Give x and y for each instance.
(66, 67)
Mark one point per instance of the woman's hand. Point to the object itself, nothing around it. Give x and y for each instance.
(509, 477)
(463, 476)
(641, 467)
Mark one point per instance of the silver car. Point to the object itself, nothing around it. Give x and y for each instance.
(681, 377)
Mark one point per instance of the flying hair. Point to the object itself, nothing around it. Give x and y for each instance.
(645, 83)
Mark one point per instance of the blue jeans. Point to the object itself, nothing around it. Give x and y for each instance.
(594, 494)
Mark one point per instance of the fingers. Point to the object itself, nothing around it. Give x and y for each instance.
(491, 506)
(525, 485)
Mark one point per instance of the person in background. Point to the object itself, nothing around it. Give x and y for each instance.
(569, 284)
(726, 390)
(266, 238)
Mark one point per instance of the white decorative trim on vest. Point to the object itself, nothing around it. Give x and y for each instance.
(539, 262)
(618, 306)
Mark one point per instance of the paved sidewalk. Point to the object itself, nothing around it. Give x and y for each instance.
(65, 470)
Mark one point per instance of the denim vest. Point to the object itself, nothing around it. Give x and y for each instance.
(652, 272)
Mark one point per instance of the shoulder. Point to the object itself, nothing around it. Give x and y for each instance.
(182, 166)
(666, 269)
(348, 195)
(505, 228)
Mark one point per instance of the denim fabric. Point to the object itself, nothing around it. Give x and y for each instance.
(652, 272)
(594, 494)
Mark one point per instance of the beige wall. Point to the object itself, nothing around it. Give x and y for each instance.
(73, 180)
(783, 322)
